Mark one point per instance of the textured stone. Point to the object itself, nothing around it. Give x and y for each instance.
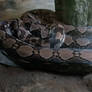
(13, 8)
(73, 12)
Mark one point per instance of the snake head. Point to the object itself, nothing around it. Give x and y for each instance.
(57, 37)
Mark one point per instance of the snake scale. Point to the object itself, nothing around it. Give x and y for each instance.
(37, 40)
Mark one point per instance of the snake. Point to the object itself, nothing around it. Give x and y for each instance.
(39, 41)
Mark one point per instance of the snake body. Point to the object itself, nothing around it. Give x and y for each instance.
(37, 40)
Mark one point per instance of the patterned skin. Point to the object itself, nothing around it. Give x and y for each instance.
(38, 41)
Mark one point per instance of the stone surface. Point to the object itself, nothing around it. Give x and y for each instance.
(75, 12)
(18, 80)
(14, 8)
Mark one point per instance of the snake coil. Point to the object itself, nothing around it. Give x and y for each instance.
(37, 40)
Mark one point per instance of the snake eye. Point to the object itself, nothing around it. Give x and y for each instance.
(57, 37)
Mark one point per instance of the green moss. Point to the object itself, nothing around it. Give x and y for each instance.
(75, 12)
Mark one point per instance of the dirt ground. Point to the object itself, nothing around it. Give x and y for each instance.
(19, 80)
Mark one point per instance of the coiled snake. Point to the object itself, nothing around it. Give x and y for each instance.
(37, 40)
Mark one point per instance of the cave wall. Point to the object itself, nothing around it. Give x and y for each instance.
(75, 12)
(14, 8)
(90, 13)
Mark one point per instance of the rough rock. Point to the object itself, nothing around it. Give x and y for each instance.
(14, 8)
